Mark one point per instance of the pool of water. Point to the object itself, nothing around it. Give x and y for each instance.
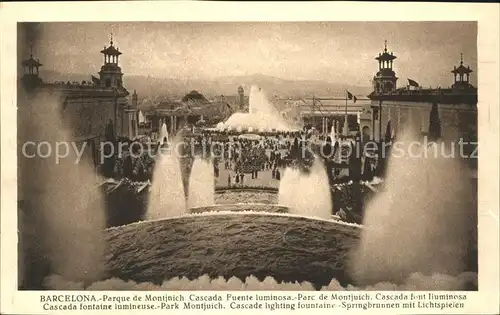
(284, 247)
(246, 196)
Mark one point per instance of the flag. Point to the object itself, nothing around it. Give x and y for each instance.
(351, 97)
(413, 83)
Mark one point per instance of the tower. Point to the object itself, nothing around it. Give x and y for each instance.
(241, 93)
(30, 78)
(111, 74)
(461, 75)
(384, 81)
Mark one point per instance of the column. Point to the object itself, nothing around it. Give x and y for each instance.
(410, 120)
(130, 136)
(399, 120)
(372, 129)
(171, 131)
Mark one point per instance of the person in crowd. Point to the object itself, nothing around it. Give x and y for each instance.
(216, 168)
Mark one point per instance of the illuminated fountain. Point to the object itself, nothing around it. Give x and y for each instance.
(307, 194)
(63, 217)
(164, 134)
(293, 239)
(201, 184)
(166, 197)
(262, 115)
(424, 220)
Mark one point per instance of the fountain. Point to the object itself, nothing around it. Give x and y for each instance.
(307, 194)
(333, 134)
(245, 239)
(164, 135)
(427, 208)
(262, 115)
(63, 213)
(201, 184)
(289, 184)
(166, 197)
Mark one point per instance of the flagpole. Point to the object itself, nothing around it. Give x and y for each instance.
(346, 129)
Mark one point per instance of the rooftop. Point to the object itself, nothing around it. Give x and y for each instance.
(461, 69)
(111, 50)
(31, 63)
(463, 95)
(385, 56)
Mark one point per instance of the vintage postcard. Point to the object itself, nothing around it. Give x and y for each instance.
(229, 157)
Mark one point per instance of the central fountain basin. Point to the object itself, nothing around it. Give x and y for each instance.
(239, 207)
(288, 248)
(240, 195)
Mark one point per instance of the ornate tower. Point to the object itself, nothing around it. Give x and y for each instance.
(111, 74)
(30, 78)
(241, 93)
(384, 81)
(461, 75)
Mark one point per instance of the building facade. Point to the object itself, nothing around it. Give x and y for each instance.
(323, 113)
(393, 110)
(89, 108)
(193, 109)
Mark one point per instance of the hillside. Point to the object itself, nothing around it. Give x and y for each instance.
(153, 89)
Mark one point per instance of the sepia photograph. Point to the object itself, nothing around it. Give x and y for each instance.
(247, 156)
(227, 157)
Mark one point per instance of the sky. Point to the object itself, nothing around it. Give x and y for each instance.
(337, 52)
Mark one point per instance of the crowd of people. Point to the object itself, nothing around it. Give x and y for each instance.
(245, 159)
(248, 157)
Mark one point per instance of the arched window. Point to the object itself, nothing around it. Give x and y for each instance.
(108, 83)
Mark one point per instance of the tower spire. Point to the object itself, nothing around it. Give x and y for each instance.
(111, 41)
(385, 45)
(31, 49)
(461, 58)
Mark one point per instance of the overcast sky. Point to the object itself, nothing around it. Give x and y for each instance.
(340, 52)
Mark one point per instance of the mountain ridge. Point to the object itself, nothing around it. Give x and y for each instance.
(154, 87)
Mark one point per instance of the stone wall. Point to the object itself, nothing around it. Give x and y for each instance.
(88, 116)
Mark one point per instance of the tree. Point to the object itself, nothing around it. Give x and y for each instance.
(388, 132)
(434, 123)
